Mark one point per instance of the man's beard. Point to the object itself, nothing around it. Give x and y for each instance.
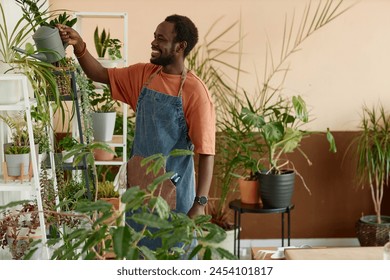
(163, 60)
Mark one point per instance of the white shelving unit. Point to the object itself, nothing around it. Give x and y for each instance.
(32, 186)
(118, 140)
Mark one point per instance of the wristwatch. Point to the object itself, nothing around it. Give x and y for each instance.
(202, 200)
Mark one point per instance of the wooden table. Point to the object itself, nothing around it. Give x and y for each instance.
(335, 253)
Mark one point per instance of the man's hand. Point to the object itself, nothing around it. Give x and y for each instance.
(196, 210)
(71, 37)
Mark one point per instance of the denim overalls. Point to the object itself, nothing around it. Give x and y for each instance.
(160, 128)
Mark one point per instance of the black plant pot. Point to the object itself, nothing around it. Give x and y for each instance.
(276, 190)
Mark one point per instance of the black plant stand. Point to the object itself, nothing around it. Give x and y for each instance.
(240, 208)
(74, 97)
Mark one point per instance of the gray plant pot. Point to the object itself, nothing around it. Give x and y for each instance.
(103, 125)
(6, 145)
(276, 190)
(14, 163)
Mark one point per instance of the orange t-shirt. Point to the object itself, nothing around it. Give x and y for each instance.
(126, 85)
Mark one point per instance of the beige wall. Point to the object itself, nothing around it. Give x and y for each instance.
(339, 68)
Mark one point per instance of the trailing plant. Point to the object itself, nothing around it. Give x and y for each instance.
(86, 88)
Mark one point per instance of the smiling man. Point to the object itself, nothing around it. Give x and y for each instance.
(173, 107)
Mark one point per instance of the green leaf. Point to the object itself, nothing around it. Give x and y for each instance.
(331, 140)
(201, 219)
(273, 132)
(94, 239)
(159, 180)
(251, 119)
(195, 251)
(225, 254)
(133, 198)
(161, 207)
(207, 254)
(90, 206)
(291, 140)
(132, 254)
(121, 241)
(150, 220)
(147, 253)
(300, 108)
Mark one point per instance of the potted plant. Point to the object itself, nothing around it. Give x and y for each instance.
(17, 152)
(39, 73)
(66, 144)
(103, 114)
(18, 228)
(106, 191)
(42, 75)
(241, 149)
(276, 117)
(105, 45)
(280, 127)
(373, 170)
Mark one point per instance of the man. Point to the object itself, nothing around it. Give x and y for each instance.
(173, 107)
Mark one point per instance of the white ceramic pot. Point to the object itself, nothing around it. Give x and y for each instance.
(10, 92)
(103, 126)
(108, 63)
(68, 160)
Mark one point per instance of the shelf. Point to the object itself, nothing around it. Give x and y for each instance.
(31, 184)
(16, 186)
(117, 141)
(19, 106)
(109, 162)
(101, 14)
(123, 16)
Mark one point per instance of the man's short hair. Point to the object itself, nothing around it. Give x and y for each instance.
(185, 31)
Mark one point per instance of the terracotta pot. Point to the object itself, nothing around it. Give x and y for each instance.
(113, 200)
(102, 155)
(249, 191)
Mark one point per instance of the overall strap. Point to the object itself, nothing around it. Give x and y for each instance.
(182, 79)
(146, 84)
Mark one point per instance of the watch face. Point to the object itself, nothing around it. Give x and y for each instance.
(202, 200)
